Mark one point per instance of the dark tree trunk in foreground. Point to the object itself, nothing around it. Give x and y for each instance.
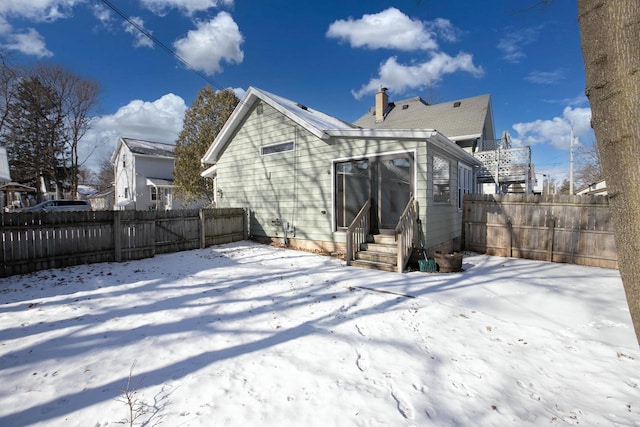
(610, 38)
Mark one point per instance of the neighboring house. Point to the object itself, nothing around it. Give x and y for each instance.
(102, 200)
(305, 176)
(598, 188)
(13, 196)
(143, 172)
(469, 123)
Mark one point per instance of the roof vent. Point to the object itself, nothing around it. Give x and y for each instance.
(456, 104)
(405, 106)
(304, 107)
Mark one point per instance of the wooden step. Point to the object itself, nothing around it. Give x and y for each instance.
(374, 265)
(383, 257)
(384, 239)
(377, 247)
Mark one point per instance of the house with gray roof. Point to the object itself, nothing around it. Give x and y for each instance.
(143, 173)
(312, 181)
(469, 123)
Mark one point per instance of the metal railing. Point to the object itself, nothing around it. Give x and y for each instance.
(358, 232)
(405, 233)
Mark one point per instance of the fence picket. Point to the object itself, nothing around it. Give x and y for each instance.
(560, 228)
(36, 241)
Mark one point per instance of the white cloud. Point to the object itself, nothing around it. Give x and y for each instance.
(160, 120)
(513, 43)
(140, 39)
(556, 131)
(398, 77)
(211, 43)
(238, 91)
(29, 42)
(392, 29)
(102, 14)
(545, 77)
(189, 7)
(38, 10)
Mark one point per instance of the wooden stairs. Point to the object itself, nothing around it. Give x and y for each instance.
(379, 253)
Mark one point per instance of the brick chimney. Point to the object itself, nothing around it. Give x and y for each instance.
(382, 102)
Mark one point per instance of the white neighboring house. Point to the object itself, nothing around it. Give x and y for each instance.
(598, 188)
(143, 172)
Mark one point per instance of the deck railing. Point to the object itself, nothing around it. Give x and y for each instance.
(358, 232)
(405, 233)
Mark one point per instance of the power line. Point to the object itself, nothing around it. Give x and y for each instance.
(159, 43)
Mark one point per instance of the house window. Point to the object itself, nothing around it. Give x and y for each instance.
(441, 180)
(277, 148)
(154, 193)
(126, 192)
(465, 183)
(124, 160)
(352, 180)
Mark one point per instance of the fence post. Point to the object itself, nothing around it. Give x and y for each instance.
(117, 236)
(3, 267)
(203, 237)
(510, 239)
(551, 226)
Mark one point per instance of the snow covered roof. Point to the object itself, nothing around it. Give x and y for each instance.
(150, 148)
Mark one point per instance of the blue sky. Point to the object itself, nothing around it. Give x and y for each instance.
(330, 55)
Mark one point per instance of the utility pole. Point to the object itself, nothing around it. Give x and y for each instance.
(571, 162)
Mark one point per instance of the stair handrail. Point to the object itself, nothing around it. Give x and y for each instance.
(405, 233)
(358, 231)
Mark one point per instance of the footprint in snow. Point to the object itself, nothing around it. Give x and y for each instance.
(362, 361)
(404, 407)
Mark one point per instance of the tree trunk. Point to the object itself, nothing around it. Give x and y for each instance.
(610, 38)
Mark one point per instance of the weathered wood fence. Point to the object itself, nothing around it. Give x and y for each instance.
(557, 228)
(37, 241)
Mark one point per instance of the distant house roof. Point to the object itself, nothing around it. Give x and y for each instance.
(160, 182)
(146, 148)
(319, 124)
(458, 119)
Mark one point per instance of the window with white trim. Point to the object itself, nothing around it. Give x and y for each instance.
(465, 183)
(282, 147)
(441, 180)
(154, 193)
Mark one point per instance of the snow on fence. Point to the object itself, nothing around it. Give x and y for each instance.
(557, 228)
(37, 241)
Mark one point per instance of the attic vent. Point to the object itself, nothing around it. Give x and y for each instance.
(304, 107)
(259, 108)
(456, 104)
(405, 106)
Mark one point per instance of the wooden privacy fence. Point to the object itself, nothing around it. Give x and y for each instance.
(557, 228)
(37, 241)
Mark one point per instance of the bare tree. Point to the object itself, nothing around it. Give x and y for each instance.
(77, 96)
(589, 166)
(8, 81)
(610, 31)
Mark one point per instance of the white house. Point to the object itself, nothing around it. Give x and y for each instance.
(143, 172)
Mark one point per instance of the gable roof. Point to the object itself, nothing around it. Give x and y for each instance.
(457, 119)
(145, 148)
(319, 124)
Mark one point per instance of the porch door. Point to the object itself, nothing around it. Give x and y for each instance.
(393, 183)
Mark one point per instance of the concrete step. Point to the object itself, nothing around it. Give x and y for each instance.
(383, 257)
(374, 265)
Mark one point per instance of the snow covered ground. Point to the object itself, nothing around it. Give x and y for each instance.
(245, 334)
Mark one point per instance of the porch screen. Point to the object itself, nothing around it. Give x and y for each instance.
(352, 190)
